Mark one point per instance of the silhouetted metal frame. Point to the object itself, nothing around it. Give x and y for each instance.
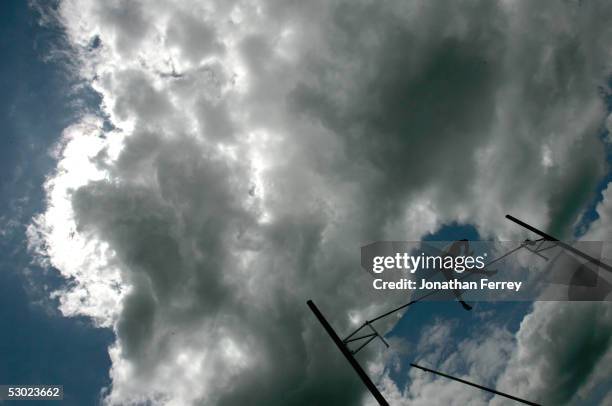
(561, 244)
(347, 354)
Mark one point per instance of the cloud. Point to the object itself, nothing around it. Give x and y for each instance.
(561, 348)
(443, 108)
(253, 147)
(559, 355)
(599, 229)
(479, 357)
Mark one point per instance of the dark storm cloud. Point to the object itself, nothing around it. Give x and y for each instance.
(561, 346)
(406, 103)
(424, 100)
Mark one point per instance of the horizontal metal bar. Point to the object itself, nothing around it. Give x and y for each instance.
(359, 338)
(378, 334)
(363, 345)
(355, 332)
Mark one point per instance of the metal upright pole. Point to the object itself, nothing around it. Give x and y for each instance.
(347, 354)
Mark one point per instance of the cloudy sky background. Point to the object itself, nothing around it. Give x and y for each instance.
(217, 164)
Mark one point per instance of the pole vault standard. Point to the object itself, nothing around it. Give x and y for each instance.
(349, 354)
(561, 244)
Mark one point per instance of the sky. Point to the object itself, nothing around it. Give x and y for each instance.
(37, 344)
(180, 177)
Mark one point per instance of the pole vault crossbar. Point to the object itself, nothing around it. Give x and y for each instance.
(349, 354)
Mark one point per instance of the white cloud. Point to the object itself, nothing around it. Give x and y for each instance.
(258, 145)
(478, 357)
